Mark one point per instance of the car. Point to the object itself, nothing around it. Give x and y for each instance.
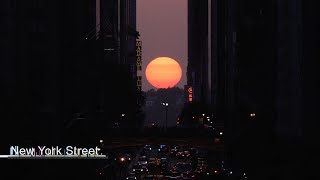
(145, 169)
(131, 176)
(188, 175)
(163, 149)
(220, 170)
(201, 162)
(201, 171)
(186, 153)
(173, 152)
(151, 160)
(147, 147)
(137, 169)
(175, 174)
(217, 170)
(155, 161)
(123, 158)
(143, 160)
(179, 154)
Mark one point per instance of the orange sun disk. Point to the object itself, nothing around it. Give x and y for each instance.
(163, 72)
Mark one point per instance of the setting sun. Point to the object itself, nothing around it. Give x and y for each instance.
(163, 72)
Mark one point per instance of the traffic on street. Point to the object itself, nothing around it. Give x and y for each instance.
(151, 162)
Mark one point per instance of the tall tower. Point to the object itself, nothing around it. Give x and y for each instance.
(197, 70)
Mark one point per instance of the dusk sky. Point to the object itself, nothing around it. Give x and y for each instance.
(163, 31)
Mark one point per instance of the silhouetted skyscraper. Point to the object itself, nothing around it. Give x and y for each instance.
(197, 70)
(261, 66)
(60, 68)
(261, 60)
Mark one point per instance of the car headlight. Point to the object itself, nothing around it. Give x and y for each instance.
(141, 169)
(133, 170)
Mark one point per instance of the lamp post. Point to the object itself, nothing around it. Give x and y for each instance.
(166, 105)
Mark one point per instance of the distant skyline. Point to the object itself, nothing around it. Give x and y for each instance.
(163, 27)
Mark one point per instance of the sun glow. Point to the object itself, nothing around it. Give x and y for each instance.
(163, 72)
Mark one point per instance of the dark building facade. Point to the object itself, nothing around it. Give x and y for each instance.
(128, 54)
(59, 60)
(223, 58)
(261, 66)
(263, 77)
(197, 70)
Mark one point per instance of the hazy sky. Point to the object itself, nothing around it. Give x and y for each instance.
(163, 31)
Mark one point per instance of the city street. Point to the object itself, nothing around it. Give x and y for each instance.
(160, 161)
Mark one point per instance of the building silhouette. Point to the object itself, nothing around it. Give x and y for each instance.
(197, 70)
(260, 75)
(61, 73)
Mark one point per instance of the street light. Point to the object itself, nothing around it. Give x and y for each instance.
(166, 105)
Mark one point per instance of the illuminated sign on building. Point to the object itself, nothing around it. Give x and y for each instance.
(138, 55)
(138, 62)
(139, 84)
(190, 94)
